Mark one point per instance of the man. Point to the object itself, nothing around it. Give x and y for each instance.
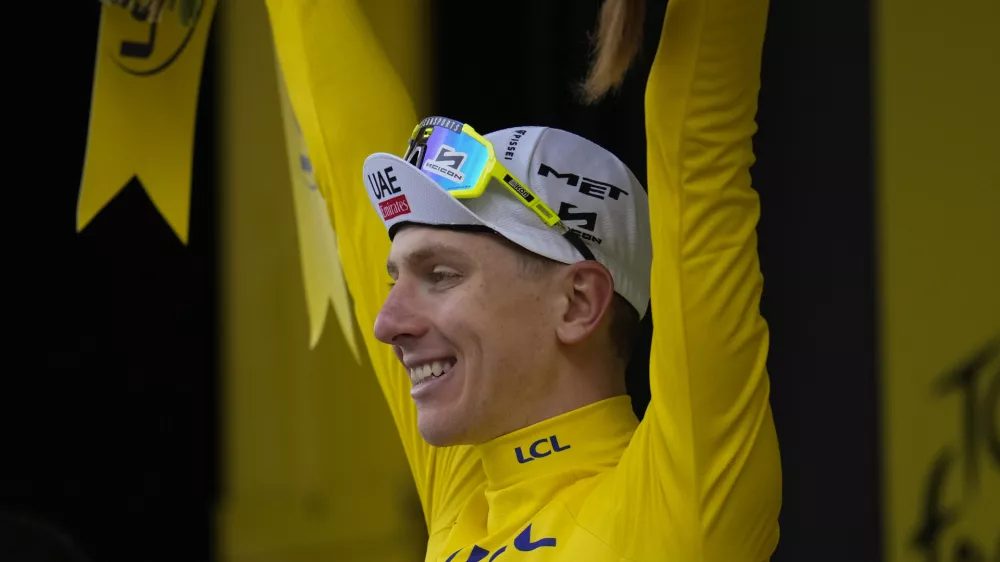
(495, 330)
(520, 265)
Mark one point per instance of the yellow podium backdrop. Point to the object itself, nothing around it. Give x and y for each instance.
(937, 90)
(313, 467)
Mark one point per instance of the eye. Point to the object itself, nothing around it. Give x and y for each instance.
(443, 274)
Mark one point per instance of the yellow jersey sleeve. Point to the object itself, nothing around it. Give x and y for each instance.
(349, 103)
(703, 467)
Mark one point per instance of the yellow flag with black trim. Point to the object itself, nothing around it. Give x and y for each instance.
(142, 115)
(321, 269)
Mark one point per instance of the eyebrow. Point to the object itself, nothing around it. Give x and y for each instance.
(425, 253)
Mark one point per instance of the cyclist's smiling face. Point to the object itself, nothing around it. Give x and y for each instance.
(475, 336)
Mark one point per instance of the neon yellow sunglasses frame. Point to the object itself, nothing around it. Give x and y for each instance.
(494, 169)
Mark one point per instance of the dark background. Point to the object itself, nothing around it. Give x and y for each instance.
(110, 391)
(112, 372)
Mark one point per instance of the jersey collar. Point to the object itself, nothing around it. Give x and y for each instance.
(589, 438)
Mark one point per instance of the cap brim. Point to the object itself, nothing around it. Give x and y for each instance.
(400, 193)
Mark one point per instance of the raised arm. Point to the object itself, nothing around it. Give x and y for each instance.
(349, 103)
(707, 445)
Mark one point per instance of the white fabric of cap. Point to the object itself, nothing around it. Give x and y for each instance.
(594, 193)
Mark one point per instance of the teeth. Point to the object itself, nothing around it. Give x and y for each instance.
(433, 369)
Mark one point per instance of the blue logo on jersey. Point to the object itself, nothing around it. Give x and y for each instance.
(535, 451)
(522, 543)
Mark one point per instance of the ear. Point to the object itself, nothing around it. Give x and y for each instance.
(589, 290)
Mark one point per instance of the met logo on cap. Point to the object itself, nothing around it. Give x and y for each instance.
(392, 208)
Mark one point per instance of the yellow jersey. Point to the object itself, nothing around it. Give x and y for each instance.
(698, 480)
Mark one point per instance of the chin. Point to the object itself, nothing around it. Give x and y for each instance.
(440, 430)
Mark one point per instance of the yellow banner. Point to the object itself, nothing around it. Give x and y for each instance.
(939, 276)
(143, 109)
(321, 269)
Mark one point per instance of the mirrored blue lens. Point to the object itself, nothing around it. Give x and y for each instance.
(455, 161)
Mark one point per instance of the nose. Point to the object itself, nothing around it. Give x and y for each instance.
(399, 318)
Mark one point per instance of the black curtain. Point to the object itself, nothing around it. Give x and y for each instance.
(815, 174)
(110, 437)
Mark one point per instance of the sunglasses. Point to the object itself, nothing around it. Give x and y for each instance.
(463, 163)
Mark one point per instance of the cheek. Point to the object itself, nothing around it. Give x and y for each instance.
(511, 320)
(460, 317)
(470, 315)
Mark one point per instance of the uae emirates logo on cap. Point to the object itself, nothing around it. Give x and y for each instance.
(392, 208)
(447, 163)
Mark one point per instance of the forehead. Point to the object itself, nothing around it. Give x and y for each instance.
(418, 243)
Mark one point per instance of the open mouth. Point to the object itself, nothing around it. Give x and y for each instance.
(431, 370)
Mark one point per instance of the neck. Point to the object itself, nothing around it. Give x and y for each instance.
(572, 383)
(582, 380)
